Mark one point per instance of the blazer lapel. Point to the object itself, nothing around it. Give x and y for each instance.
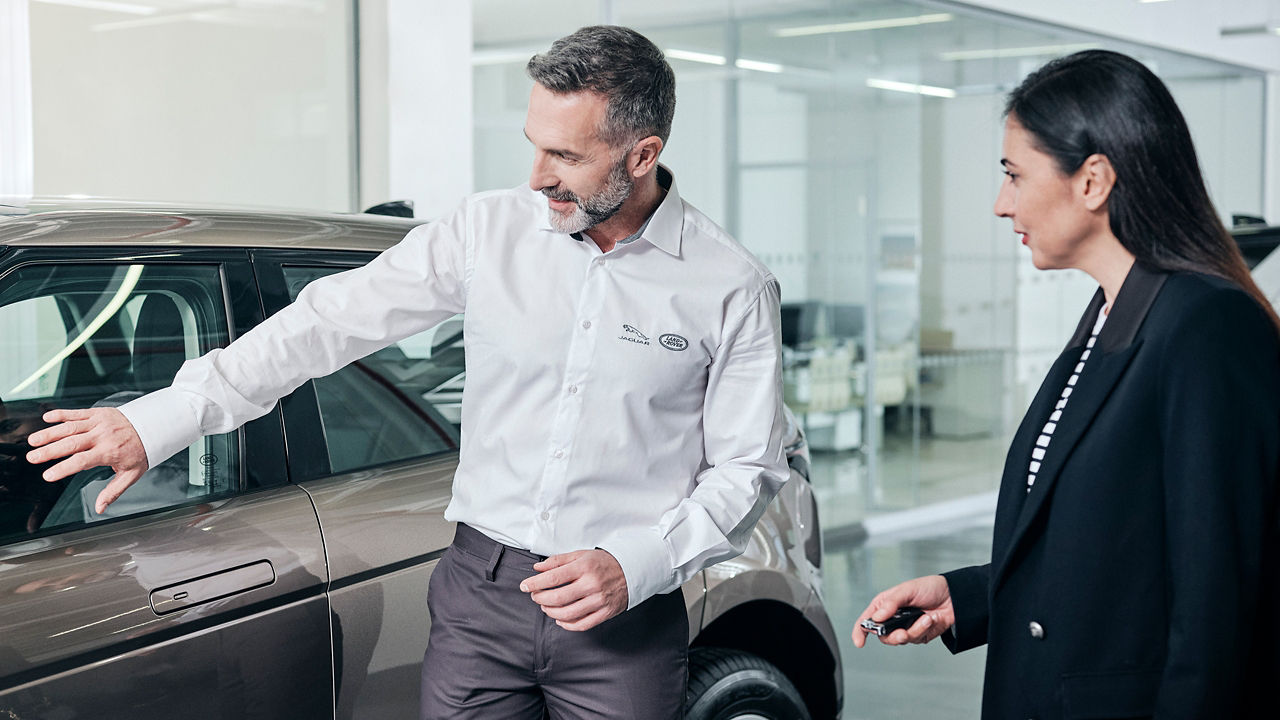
(1013, 483)
(1115, 347)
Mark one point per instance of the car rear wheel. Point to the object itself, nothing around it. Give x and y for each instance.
(734, 685)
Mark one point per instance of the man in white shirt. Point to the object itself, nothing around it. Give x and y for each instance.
(621, 421)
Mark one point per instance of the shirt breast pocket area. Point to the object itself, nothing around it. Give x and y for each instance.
(659, 357)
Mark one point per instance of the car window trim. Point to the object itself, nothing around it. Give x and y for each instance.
(305, 448)
(260, 439)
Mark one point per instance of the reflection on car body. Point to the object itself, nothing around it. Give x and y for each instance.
(281, 570)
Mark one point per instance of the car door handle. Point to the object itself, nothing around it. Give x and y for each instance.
(213, 586)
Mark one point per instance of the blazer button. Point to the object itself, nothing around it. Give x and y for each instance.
(1037, 630)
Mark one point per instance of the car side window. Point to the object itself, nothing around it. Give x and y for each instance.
(100, 335)
(401, 402)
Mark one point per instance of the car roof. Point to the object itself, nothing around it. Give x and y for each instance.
(59, 223)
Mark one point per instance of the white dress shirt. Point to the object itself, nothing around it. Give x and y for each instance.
(627, 400)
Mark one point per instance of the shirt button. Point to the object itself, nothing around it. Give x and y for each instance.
(1037, 630)
(573, 389)
(586, 324)
(558, 453)
(545, 516)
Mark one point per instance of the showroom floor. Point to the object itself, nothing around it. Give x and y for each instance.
(930, 511)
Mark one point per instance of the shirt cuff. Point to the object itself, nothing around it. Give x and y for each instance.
(164, 422)
(645, 562)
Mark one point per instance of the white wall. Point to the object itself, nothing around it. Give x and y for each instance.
(416, 119)
(15, 102)
(238, 104)
(1190, 26)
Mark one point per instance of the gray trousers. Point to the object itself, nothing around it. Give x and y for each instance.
(493, 653)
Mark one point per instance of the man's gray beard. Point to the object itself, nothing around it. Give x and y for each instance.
(597, 208)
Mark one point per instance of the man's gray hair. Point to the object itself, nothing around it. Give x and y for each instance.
(623, 66)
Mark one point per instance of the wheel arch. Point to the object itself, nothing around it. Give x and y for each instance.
(783, 635)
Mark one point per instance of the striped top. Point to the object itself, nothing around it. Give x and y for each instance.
(1046, 433)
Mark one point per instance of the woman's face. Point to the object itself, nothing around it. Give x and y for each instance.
(1047, 207)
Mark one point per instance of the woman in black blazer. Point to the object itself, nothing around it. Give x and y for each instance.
(1134, 557)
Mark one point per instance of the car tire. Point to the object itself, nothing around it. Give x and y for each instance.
(734, 685)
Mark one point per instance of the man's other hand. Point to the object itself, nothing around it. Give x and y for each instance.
(90, 438)
(579, 590)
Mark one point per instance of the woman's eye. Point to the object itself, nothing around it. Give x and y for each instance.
(1012, 176)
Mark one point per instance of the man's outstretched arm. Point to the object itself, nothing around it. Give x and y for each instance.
(410, 287)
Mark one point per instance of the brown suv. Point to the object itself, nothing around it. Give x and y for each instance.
(280, 571)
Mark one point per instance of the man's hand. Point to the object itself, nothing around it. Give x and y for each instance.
(929, 593)
(87, 439)
(579, 590)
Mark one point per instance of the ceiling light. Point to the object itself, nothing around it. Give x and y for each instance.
(1250, 30)
(861, 25)
(1144, 2)
(710, 59)
(758, 66)
(698, 57)
(502, 57)
(910, 88)
(121, 7)
(1033, 51)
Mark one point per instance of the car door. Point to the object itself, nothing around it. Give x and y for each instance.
(375, 444)
(200, 593)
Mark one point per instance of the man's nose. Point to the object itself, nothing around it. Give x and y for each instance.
(541, 176)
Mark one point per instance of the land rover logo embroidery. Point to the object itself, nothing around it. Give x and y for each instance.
(631, 334)
(671, 341)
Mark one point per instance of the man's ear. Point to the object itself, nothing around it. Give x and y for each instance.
(1097, 178)
(643, 157)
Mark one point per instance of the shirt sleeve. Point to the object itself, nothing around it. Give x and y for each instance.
(1220, 437)
(743, 425)
(410, 287)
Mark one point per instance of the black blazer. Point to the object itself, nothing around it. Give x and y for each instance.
(1138, 577)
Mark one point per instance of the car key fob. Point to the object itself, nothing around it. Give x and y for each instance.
(901, 620)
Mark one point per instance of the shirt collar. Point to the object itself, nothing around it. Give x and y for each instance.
(663, 228)
(667, 223)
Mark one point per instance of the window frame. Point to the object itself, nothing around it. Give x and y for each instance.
(260, 443)
(306, 447)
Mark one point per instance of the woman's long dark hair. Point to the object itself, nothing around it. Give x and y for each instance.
(1099, 101)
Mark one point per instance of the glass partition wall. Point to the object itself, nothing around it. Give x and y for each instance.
(854, 147)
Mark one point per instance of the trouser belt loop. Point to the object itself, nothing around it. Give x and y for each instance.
(494, 558)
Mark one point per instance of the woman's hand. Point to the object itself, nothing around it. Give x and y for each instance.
(929, 593)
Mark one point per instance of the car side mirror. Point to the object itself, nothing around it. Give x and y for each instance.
(394, 208)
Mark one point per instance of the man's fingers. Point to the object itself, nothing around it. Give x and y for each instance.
(70, 466)
(61, 416)
(556, 561)
(587, 622)
(573, 612)
(121, 482)
(65, 447)
(560, 596)
(549, 579)
(54, 433)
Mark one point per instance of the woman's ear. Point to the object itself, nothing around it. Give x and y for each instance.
(1097, 178)
(643, 157)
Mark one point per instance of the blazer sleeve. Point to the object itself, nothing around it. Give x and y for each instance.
(1220, 431)
(969, 599)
